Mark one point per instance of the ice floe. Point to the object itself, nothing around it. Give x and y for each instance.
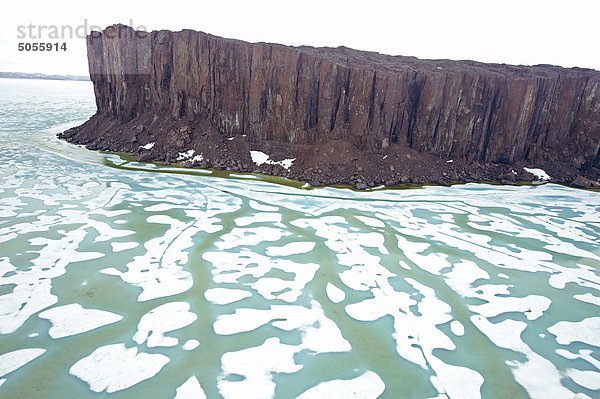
(225, 296)
(292, 248)
(256, 365)
(532, 306)
(74, 319)
(259, 206)
(11, 361)
(589, 298)
(584, 331)
(115, 367)
(260, 217)
(123, 246)
(366, 386)
(584, 354)
(335, 294)
(369, 221)
(586, 378)
(191, 344)
(190, 389)
(165, 318)
(457, 328)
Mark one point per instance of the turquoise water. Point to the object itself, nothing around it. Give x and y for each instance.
(128, 280)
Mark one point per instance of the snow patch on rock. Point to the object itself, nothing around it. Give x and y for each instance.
(539, 174)
(148, 146)
(259, 158)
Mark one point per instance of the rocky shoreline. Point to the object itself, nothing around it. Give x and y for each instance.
(330, 162)
(338, 116)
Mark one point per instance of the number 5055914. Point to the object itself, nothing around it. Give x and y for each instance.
(43, 46)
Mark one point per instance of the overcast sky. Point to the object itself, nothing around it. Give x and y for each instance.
(526, 32)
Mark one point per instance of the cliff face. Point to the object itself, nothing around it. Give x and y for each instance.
(468, 110)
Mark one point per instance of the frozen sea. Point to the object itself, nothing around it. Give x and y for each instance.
(128, 280)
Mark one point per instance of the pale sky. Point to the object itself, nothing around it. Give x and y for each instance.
(527, 32)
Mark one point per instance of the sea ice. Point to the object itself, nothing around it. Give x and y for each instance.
(334, 294)
(190, 389)
(11, 361)
(457, 328)
(586, 378)
(507, 334)
(366, 386)
(225, 296)
(258, 206)
(123, 246)
(585, 331)
(190, 345)
(74, 319)
(292, 248)
(115, 367)
(162, 319)
(257, 365)
(319, 333)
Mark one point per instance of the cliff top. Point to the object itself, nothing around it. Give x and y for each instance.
(390, 63)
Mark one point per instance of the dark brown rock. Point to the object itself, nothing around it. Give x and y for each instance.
(508, 176)
(583, 182)
(144, 157)
(526, 176)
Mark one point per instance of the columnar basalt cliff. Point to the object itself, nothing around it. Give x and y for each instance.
(346, 115)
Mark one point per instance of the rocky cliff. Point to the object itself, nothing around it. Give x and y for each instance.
(292, 98)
